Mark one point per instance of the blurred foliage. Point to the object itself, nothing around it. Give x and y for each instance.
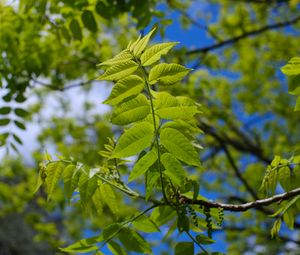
(50, 46)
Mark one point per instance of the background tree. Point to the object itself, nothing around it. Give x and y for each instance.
(51, 47)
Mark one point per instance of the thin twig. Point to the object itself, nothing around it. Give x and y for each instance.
(243, 36)
(196, 242)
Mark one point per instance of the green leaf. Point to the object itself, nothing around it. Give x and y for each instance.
(75, 29)
(132, 44)
(19, 124)
(110, 198)
(145, 224)
(119, 71)
(110, 231)
(122, 57)
(162, 215)
(67, 178)
(115, 248)
(143, 165)
(127, 87)
(21, 112)
(289, 218)
(5, 110)
(174, 169)
(178, 145)
(87, 187)
(133, 241)
(284, 177)
(167, 74)
(294, 85)
(292, 67)
(89, 21)
(276, 227)
(82, 246)
(203, 239)
(17, 139)
(134, 140)
(154, 53)
(169, 107)
(297, 106)
(53, 171)
(152, 178)
(131, 111)
(4, 122)
(183, 223)
(184, 248)
(141, 44)
(98, 200)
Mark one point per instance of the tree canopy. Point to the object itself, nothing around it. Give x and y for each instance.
(197, 150)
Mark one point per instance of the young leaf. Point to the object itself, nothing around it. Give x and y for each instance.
(123, 56)
(83, 246)
(134, 140)
(132, 44)
(184, 248)
(154, 53)
(284, 177)
(178, 145)
(141, 45)
(276, 227)
(133, 241)
(131, 111)
(174, 169)
(98, 200)
(87, 187)
(67, 178)
(292, 67)
(167, 74)
(161, 215)
(127, 87)
(203, 239)
(109, 196)
(145, 224)
(54, 170)
(143, 165)
(119, 71)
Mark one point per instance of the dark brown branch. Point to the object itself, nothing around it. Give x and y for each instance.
(243, 36)
(243, 145)
(245, 206)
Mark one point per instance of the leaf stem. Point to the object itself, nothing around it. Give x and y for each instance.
(155, 128)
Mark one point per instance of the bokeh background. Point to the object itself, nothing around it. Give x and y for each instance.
(51, 102)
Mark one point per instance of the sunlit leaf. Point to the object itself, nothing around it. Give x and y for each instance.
(154, 53)
(131, 111)
(178, 145)
(167, 74)
(134, 140)
(127, 87)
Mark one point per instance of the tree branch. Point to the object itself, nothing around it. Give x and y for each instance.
(245, 206)
(243, 36)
